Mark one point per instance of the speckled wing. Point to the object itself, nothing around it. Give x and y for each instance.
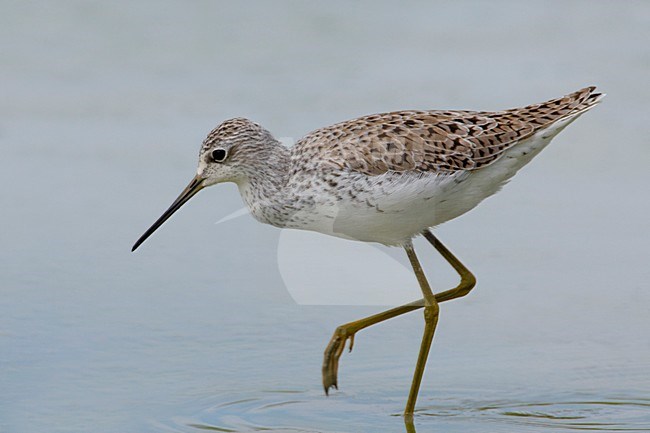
(432, 141)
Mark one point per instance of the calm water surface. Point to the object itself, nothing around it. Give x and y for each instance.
(103, 108)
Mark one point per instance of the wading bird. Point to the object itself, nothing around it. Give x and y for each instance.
(383, 178)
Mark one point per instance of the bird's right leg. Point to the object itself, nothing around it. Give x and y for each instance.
(347, 331)
(467, 279)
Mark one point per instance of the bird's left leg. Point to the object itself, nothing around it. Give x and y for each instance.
(347, 331)
(431, 311)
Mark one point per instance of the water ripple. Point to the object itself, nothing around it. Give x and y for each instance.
(306, 411)
(597, 415)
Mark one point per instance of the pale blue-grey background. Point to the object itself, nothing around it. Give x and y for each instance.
(103, 106)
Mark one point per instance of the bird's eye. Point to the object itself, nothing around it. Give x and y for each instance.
(219, 154)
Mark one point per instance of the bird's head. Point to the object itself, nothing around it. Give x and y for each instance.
(232, 152)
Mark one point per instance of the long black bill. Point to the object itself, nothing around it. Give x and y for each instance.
(195, 186)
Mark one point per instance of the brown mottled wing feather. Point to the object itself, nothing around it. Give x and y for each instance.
(433, 141)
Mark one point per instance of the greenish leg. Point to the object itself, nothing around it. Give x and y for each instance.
(410, 427)
(467, 279)
(431, 311)
(347, 331)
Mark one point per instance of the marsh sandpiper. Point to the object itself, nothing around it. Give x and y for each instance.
(383, 178)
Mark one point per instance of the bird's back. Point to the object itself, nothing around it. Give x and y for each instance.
(386, 177)
(431, 141)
